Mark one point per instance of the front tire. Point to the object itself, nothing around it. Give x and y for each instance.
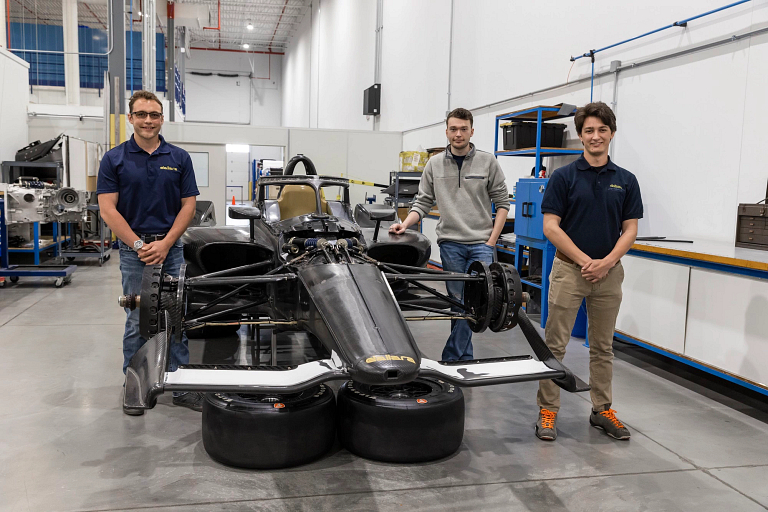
(269, 431)
(415, 422)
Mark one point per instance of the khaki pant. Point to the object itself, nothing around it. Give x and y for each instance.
(567, 288)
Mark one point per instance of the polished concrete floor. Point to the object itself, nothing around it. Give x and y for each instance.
(65, 444)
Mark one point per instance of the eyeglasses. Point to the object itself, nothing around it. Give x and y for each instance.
(143, 115)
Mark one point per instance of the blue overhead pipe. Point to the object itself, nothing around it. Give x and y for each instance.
(681, 23)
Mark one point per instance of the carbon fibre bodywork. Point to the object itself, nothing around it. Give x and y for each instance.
(324, 274)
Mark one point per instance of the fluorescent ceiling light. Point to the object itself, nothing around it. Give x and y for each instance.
(238, 148)
(183, 49)
(246, 46)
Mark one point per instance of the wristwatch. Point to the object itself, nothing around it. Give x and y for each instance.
(138, 244)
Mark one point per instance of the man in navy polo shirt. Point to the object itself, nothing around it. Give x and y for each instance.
(147, 192)
(591, 208)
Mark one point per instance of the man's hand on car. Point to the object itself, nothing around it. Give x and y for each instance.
(397, 229)
(154, 253)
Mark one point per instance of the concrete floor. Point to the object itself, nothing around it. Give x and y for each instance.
(65, 444)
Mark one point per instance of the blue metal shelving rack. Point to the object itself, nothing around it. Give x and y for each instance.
(538, 114)
(529, 231)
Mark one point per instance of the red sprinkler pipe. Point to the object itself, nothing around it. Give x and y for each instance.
(8, 21)
(232, 50)
(218, 27)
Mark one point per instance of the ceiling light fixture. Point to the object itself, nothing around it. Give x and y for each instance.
(246, 46)
(249, 26)
(183, 49)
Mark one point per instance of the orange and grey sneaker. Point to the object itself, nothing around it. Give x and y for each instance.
(545, 425)
(608, 421)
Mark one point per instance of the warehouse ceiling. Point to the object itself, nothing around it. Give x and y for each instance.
(274, 22)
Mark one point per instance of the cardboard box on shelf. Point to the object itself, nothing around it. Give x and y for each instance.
(413, 161)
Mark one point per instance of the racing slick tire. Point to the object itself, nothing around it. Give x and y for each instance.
(415, 422)
(269, 431)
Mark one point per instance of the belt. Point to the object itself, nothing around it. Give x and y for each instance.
(563, 257)
(146, 238)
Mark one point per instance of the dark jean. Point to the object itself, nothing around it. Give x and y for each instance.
(132, 268)
(458, 257)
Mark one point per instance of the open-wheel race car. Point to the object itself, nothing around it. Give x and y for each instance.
(312, 265)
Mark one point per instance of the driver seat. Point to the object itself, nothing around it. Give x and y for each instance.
(295, 200)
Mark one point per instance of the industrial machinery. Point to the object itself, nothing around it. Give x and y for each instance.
(305, 265)
(34, 201)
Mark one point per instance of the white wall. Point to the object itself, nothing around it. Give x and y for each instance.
(337, 68)
(243, 100)
(14, 80)
(297, 75)
(691, 128)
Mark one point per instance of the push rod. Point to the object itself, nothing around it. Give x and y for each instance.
(431, 310)
(429, 277)
(219, 300)
(227, 311)
(195, 282)
(446, 298)
(235, 270)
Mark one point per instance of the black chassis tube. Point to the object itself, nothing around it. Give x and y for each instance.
(228, 271)
(430, 277)
(194, 282)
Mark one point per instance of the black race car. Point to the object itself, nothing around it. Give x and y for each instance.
(310, 264)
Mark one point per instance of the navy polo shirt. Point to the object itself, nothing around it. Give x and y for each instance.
(150, 187)
(592, 203)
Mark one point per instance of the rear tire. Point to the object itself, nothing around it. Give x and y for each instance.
(269, 431)
(415, 422)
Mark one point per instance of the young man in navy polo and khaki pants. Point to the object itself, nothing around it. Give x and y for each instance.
(591, 208)
(147, 192)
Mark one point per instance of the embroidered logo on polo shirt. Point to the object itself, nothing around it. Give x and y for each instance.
(165, 167)
(616, 186)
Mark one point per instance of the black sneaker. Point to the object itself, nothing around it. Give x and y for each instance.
(607, 421)
(546, 428)
(192, 401)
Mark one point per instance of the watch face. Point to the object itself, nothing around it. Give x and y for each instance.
(138, 244)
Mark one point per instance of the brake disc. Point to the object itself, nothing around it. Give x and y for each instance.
(507, 280)
(480, 296)
(177, 313)
(149, 306)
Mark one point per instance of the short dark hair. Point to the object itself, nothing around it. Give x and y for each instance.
(597, 109)
(460, 113)
(143, 95)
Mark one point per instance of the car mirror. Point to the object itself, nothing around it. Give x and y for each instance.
(249, 213)
(378, 213)
(244, 213)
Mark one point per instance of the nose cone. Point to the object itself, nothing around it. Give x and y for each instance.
(385, 369)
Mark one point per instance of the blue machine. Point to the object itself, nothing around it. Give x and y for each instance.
(529, 232)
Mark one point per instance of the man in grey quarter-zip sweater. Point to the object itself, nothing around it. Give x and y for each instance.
(463, 182)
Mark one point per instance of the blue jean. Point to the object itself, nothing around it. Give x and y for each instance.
(458, 257)
(132, 268)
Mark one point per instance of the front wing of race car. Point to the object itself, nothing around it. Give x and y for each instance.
(147, 376)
